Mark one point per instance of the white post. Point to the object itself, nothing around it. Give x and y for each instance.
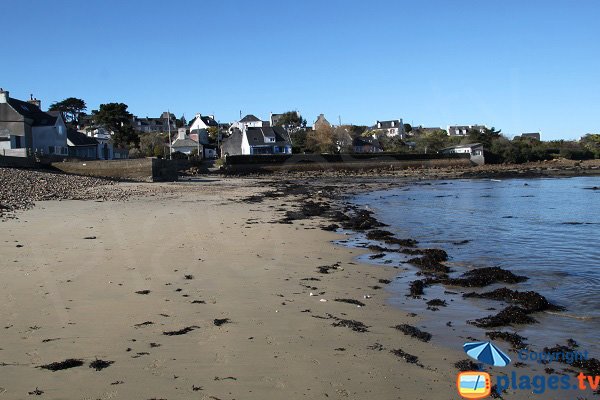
(169, 129)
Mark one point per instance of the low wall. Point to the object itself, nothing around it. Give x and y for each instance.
(17, 162)
(332, 162)
(142, 169)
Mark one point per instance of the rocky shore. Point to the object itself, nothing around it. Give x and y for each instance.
(21, 188)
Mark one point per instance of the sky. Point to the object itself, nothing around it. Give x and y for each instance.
(520, 66)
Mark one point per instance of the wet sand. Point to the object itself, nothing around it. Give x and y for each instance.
(193, 293)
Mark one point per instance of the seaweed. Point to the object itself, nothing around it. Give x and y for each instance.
(414, 332)
(351, 301)
(356, 326)
(99, 365)
(509, 316)
(182, 331)
(466, 365)
(60, 365)
(221, 321)
(517, 341)
(409, 358)
(145, 291)
(531, 301)
(485, 276)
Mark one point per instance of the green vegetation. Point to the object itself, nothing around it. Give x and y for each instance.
(71, 108)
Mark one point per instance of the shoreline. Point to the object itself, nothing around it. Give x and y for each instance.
(299, 352)
(197, 292)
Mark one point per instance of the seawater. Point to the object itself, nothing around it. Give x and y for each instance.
(545, 229)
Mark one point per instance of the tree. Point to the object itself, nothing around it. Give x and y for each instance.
(342, 140)
(70, 108)
(320, 140)
(592, 143)
(298, 141)
(432, 142)
(407, 128)
(116, 118)
(483, 136)
(213, 133)
(152, 144)
(292, 121)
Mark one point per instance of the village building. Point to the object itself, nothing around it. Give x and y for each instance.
(25, 129)
(475, 150)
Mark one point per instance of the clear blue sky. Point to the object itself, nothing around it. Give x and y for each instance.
(521, 66)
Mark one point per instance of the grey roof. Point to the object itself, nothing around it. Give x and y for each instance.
(184, 143)
(33, 112)
(256, 136)
(366, 141)
(249, 118)
(80, 139)
(387, 124)
(232, 145)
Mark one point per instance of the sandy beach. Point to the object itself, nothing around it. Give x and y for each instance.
(73, 279)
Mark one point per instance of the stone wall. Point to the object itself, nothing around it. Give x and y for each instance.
(143, 169)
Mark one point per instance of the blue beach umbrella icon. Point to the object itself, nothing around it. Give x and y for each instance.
(487, 353)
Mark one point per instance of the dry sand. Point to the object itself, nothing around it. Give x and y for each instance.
(64, 296)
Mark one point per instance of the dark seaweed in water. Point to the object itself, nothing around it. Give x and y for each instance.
(351, 301)
(361, 220)
(481, 277)
(466, 365)
(99, 365)
(379, 234)
(517, 341)
(431, 266)
(531, 301)
(183, 331)
(416, 288)
(221, 321)
(68, 363)
(437, 303)
(414, 332)
(356, 326)
(591, 365)
(509, 316)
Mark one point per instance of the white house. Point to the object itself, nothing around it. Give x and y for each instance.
(258, 140)
(392, 128)
(199, 127)
(475, 150)
(463, 130)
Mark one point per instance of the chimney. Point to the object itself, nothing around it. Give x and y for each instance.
(34, 101)
(3, 96)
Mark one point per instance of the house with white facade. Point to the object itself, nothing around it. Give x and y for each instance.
(475, 150)
(392, 128)
(26, 129)
(463, 130)
(198, 127)
(257, 140)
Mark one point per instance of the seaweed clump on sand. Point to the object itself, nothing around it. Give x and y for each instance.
(221, 321)
(182, 331)
(409, 358)
(99, 365)
(356, 326)
(531, 301)
(517, 341)
(60, 365)
(466, 365)
(509, 316)
(485, 276)
(351, 301)
(414, 332)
